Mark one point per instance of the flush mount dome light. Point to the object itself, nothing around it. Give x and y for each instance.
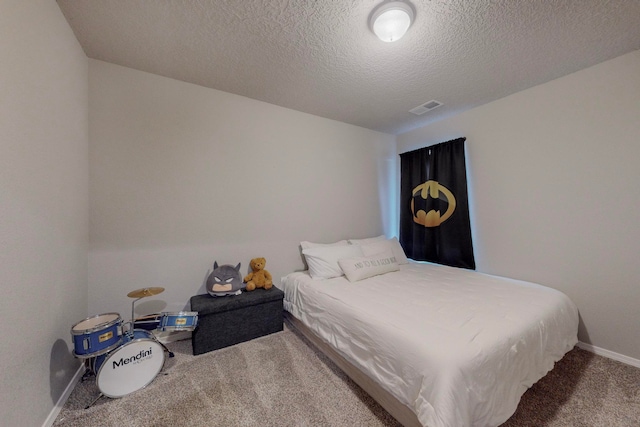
(391, 20)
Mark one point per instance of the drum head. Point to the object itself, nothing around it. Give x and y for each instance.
(95, 323)
(130, 367)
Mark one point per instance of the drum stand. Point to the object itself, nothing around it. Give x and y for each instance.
(94, 401)
(88, 371)
(164, 346)
(133, 303)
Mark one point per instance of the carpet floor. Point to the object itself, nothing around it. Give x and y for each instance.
(282, 380)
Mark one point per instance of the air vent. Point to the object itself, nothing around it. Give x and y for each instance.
(426, 107)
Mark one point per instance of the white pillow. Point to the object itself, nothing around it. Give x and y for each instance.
(359, 268)
(323, 260)
(367, 241)
(307, 245)
(391, 244)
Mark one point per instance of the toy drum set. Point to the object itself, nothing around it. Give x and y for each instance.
(125, 360)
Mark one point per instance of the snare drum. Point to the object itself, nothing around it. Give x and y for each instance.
(131, 366)
(96, 335)
(181, 321)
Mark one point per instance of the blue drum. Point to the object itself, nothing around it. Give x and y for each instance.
(96, 335)
(131, 366)
(181, 321)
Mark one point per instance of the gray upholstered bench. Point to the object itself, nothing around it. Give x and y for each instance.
(229, 320)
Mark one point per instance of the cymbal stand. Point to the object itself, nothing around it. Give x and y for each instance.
(133, 303)
(133, 323)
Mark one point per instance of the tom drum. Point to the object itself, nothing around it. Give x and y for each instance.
(96, 335)
(181, 321)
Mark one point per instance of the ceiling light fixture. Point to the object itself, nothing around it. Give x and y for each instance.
(391, 20)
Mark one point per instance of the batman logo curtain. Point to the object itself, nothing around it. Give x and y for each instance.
(434, 211)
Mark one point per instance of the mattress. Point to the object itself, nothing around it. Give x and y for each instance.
(457, 347)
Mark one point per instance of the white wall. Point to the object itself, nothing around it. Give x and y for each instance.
(43, 206)
(555, 185)
(182, 175)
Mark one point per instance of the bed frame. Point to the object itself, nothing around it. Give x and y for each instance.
(398, 410)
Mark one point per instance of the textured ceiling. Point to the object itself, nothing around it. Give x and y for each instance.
(321, 58)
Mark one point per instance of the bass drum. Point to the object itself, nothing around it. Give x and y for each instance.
(130, 367)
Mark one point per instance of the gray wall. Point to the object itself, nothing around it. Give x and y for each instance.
(555, 187)
(43, 206)
(182, 175)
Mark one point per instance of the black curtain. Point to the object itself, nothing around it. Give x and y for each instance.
(434, 211)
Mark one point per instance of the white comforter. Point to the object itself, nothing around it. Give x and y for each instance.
(456, 346)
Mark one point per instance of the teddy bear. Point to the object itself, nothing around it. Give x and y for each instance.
(259, 277)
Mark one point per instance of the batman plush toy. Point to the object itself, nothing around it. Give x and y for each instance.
(224, 280)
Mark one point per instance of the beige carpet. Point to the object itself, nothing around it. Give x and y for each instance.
(281, 380)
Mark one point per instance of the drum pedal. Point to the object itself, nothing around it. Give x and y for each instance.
(87, 374)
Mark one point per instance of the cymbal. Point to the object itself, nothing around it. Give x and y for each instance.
(145, 292)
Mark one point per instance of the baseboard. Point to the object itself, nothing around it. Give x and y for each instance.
(609, 354)
(64, 396)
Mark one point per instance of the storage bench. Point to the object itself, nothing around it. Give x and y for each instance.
(229, 320)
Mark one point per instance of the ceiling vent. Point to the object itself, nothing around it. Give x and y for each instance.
(426, 107)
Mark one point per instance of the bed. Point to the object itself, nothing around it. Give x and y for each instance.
(436, 346)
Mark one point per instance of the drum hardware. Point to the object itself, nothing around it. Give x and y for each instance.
(123, 357)
(168, 322)
(138, 294)
(148, 322)
(94, 401)
(88, 372)
(165, 348)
